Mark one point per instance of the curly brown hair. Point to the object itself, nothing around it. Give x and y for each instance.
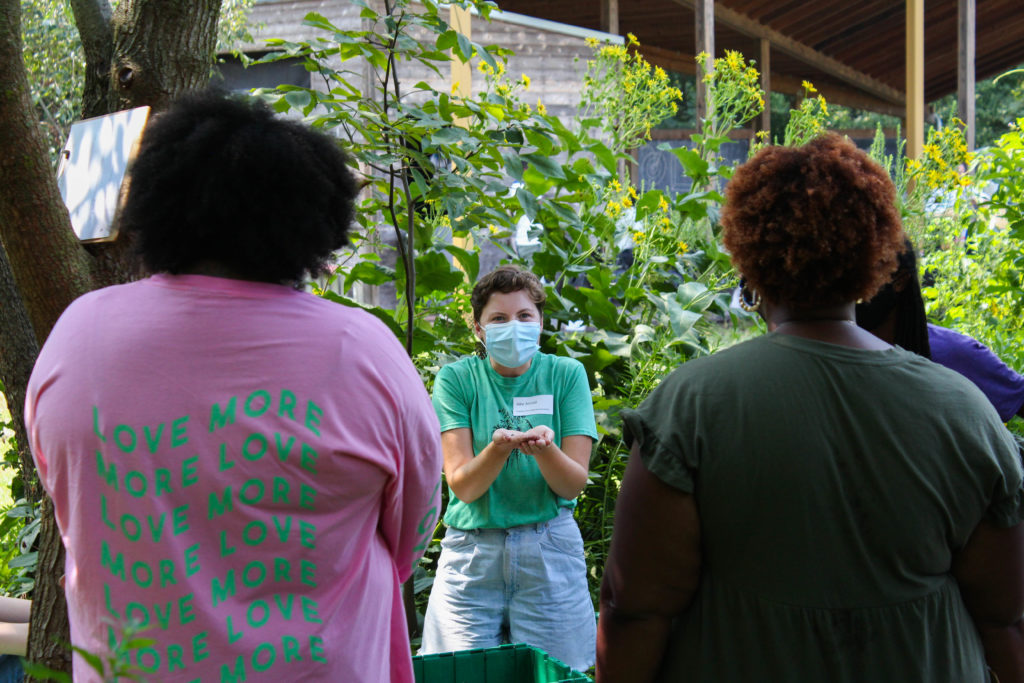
(813, 226)
(506, 279)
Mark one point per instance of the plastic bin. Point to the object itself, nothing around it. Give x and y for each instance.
(503, 664)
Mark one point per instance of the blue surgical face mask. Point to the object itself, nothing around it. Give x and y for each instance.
(513, 343)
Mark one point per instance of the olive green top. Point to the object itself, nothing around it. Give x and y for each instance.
(834, 486)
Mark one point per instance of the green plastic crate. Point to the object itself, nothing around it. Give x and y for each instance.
(503, 664)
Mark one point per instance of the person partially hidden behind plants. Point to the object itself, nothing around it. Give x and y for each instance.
(815, 504)
(14, 614)
(897, 315)
(517, 429)
(243, 470)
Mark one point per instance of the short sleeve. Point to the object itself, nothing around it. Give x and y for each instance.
(660, 428)
(1006, 508)
(450, 401)
(576, 405)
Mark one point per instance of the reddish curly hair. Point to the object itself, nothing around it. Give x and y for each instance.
(813, 226)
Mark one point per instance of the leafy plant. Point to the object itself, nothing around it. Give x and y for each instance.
(111, 667)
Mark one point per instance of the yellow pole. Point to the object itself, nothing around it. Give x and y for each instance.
(461, 20)
(915, 78)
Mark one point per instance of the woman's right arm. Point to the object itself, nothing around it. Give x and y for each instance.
(469, 477)
(650, 577)
(990, 573)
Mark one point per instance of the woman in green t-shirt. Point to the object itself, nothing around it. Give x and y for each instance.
(814, 504)
(517, 427)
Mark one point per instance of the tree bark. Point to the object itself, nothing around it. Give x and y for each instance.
(161, 49)
(145, 53)
(19, 352)
(92, 17)
(49, 266)
(49, 629)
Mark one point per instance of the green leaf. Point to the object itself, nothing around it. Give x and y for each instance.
(648, 202)
(604, 155)
(464, 49)
(26, 560)
(44, 673)
(692, 163)
(694, 296)
(435, 274)
(468, 260)
(529, 203)
(298, 99)
(545, 165)
(447, 40)
(369, 272)
(449, 136)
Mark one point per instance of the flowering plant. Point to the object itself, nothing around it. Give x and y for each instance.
(624, 96)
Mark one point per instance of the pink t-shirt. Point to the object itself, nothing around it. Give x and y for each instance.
(248, 470)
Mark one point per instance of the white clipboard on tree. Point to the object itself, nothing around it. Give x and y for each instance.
(91, 173)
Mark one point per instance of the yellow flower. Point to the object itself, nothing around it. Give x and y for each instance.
(615, 185)
(526, 82)
(964, 181)
(627, 202)
(592, 41)
(638, 237)
(541, 109)
(683, 246)
(808, 86)
(824, 107)
(484, 68)
(632, 192)
(662, 204)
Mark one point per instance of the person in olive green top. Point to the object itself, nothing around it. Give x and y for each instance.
(815, 504)
(517, 428)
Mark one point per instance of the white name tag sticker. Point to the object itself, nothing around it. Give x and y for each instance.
(533, 405)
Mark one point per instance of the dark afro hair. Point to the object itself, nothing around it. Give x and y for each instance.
(220, 178)
(813, 226)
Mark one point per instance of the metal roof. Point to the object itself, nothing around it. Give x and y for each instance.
(852, 50)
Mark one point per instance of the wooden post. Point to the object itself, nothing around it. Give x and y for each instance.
(461, 20)
(461, 72)
(704, 30)
(766, 86)
(610, 16)
(915, 78)
(965, 68)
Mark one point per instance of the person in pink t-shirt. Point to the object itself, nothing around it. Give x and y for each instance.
(245, 471)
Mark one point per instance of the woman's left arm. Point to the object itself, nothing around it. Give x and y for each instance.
(564, 469)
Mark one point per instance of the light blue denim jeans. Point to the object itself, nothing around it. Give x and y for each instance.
(526, 584)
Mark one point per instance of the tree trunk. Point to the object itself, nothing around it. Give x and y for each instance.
(161, 49)
(155, 50)
(93, 20)
(49, 266)
(19, 351)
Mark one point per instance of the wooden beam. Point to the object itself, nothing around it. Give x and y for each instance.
(965, 67)
(766, 85)
(837, 94)
(610, 16)
(915, 78)
(460, 72)
(683, 63)
(704, 32)
(804, 53)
